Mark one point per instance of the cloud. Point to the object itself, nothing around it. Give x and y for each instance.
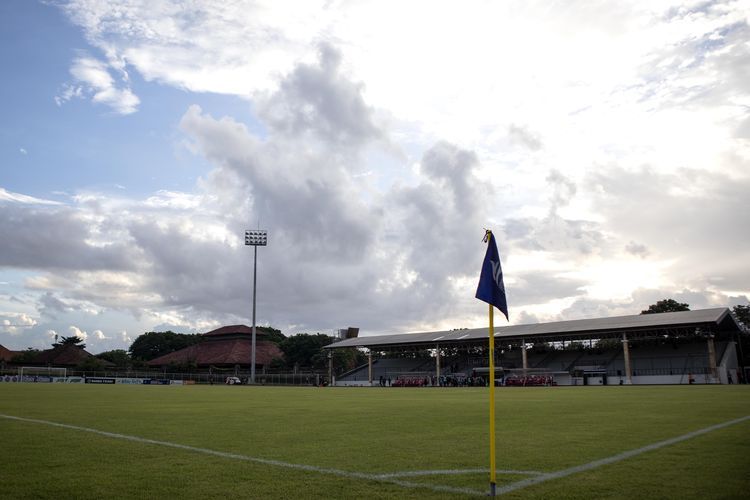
(15, 323)
(557, 234)
(317, 98)
(224, 47)
(541, 287)
(93, 79)
(637, 249)
(125, 338)
(705, 68)
(523, 136)
(50, 305)
(8, 196)
(668, 214)
(99, 335)
(77, 332)
(59, 237)
(612, 162)
(342, 249)
(563, 189)
(439, 215)
(640, 299)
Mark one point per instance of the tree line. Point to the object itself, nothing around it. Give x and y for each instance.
(301, 351)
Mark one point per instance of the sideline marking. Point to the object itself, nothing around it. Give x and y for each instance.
(615, 458)
(265, 461)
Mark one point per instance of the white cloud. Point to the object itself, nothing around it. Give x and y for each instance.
(77, 332)
(99, 335)
(15, 323)
(6, 195)
(125, 338)
(93, 79)
(224, 47)
(605, 143)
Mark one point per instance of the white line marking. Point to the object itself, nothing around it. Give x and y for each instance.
(615, 458)
(264, 461)
(391, 478)
(450, 472)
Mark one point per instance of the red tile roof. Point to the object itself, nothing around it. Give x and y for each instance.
(228, 330)
(62, 355)
(234, 351)
(6, 354)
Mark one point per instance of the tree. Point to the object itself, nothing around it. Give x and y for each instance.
(742, 313)
(91, 364)
(151, 345)
(306, 350)
(609, 345)
(76, 341)
(272, 334)
(576, 345)
(119, 357)
(27, 356)
(347, 359)
(666, 305)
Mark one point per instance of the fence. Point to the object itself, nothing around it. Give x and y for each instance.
(299, 378)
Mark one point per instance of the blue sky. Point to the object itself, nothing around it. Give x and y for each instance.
(607, 145)
(50, 148)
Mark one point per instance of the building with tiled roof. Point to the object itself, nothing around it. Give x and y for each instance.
(227, 346)
(6, 354)
(64, 355)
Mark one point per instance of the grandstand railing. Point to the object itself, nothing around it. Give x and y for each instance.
(701, 370)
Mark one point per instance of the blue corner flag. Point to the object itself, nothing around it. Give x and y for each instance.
(491, 288)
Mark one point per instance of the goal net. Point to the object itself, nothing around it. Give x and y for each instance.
(40, 373)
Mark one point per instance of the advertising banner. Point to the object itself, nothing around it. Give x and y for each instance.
(100, 380)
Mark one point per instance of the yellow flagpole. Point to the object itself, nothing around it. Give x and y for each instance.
(493, 478)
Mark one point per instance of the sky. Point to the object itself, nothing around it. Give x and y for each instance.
(606, 144)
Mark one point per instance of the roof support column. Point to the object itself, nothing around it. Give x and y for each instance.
(524, 358)
(330, 368)
(369, 365)
(437, 362)
(712, 357)
(626, 354)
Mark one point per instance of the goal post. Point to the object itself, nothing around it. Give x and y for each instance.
(46, 373)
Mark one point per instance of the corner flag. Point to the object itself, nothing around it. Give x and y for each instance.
(491, 288)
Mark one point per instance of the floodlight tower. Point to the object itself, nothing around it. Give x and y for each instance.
(255, 238)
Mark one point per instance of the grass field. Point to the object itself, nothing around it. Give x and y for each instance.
(285, 442)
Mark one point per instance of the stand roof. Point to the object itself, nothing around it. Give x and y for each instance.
(707, 321)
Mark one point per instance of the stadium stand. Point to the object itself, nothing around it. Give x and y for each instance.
(667, 348)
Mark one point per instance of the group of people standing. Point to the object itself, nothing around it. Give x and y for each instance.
(433, 381)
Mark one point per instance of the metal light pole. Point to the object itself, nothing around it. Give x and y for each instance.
(255, 238)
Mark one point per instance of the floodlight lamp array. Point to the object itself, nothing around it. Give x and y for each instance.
(256, 237)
